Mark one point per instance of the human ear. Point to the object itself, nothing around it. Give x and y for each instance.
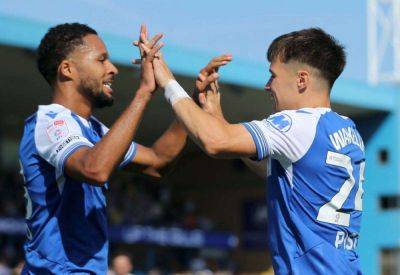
(66, 70)
(303, 79)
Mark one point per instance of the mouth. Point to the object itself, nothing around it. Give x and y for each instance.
(271, 95)
(107, 86)
(273, 99)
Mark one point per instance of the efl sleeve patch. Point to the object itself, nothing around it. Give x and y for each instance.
(57, 130)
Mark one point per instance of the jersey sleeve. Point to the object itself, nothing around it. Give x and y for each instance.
(130, 154)
(285, 136)
(57, 138)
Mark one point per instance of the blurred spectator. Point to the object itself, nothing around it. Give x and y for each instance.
(18, 268)
(121, 265)
(4, 269)
(199, 266)
(154, 271)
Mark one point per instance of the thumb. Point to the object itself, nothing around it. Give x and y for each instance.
(202, 99)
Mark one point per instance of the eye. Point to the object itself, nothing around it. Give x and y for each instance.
(102, 58)
(271, 75)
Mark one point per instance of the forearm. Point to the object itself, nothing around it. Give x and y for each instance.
(214, 136)
(206, 130)
(110, 150)
(170, 144)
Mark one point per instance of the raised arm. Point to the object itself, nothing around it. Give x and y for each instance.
(169, 145)
(216, 138)
(150, 160)
(95, 164)
(210, 101)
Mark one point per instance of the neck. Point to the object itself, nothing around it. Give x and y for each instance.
(315, 98)
(70, 98)
(314, 104)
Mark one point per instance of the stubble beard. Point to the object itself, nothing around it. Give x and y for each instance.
(96, 94)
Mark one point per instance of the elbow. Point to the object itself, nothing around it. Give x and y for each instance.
(100, 179)
(96, 176)
(211, 150)
(214, 147)
(215, 143)
(152, 172)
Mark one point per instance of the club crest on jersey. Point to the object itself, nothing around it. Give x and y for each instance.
(57, 130)
(281, 122)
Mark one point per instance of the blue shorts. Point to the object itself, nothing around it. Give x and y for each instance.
(326, 259)
(321, 259)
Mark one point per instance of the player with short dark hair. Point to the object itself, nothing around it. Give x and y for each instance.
(313, 47)
(57, 44)
(314, 157)
(67, 155)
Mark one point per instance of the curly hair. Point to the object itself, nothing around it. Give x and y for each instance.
(57, 44)
(313, 47)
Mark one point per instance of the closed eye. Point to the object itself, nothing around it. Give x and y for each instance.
(273, 75)
(103, 57)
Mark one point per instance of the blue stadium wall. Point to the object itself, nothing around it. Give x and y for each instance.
(380, 227)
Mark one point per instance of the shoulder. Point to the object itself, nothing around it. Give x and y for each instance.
(54, 122)
(293, 132)
(334, 120)
(44, 116)
(52, 112)
(29, 124)
(295, 120)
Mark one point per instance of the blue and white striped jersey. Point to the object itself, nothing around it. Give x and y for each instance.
(66, 219)
(315, 173)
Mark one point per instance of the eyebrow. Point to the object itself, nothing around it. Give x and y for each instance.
(272, 72)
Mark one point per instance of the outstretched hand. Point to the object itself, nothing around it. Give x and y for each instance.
(210, 101)
(149, 50)
(207, 89)
(162, 73)
(209, 70)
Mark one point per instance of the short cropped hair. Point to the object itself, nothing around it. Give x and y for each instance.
(57, 44)
(313, 47)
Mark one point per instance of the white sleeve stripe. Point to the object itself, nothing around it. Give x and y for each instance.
(68, 152)
(129, 155)
(259, 140)
(263, 139)
(256, 139)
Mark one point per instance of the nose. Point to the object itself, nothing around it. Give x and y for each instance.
(112, 68)
(267, 86)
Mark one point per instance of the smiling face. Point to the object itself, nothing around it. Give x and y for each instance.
(95, 72)
(283, 86)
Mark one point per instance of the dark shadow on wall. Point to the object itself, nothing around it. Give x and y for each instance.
(367, 125)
